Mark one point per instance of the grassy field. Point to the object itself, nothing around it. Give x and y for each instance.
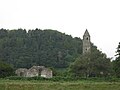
(49, 85)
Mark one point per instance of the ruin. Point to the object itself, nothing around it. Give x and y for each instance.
(46, 72)
(35, 71)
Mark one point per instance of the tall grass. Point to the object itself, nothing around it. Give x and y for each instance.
(51, 85)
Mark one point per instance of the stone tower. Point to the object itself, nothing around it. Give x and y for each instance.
(86, 42)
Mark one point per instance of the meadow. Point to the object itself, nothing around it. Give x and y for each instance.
(61, 85)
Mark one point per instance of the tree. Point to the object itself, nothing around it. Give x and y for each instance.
(81, 66)
(92, 64)
(116, 63)
(118, 50)
(5, 69)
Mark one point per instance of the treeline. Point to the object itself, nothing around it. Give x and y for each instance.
(38, 47)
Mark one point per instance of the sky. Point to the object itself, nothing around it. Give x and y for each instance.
(73, 17)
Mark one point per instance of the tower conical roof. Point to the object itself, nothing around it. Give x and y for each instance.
(86, 33)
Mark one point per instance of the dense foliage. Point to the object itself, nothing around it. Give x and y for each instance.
(38, 47)
(5, 69)
(116, 63)
(91, 65)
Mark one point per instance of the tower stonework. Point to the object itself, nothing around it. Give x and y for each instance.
(86, 42)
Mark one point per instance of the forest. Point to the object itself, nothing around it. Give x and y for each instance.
(38, 47)
(20, 48)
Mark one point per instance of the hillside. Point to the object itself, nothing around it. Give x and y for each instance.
(38, 47)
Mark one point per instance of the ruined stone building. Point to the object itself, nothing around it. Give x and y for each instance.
(46, 72)
(86, 42)
(35, 71)
(21, 72)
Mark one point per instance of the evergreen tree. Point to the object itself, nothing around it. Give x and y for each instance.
(116, 63)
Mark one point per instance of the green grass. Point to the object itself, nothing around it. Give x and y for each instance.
(50, 85)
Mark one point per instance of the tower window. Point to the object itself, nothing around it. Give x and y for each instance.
(87, 38)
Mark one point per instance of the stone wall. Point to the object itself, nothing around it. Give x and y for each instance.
(35, 71)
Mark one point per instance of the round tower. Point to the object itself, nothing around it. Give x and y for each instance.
(86, 42)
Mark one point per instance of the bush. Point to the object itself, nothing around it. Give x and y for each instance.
(24, 78)
(5, 70)
(66, 79)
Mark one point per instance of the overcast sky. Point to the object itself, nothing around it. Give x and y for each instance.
(73, 17)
